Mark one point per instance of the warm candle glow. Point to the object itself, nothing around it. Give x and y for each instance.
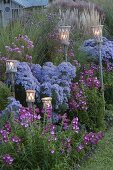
(11, 66)
(64, 33)
(30, 96)
(47, 102)
(97, 32)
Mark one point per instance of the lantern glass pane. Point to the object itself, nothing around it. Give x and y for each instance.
(30, 96)
(47, 102)
(97, 32)
(11, 66)
(64, 33)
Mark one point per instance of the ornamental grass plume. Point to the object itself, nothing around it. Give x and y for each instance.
(81, 15)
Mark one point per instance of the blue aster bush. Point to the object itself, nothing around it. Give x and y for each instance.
(91, 48)
(12, 107)
(25, 77)
(48, 80)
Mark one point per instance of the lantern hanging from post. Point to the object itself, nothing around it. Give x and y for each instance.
(30, 97)
(64, 32)
(97, 32)
(11, 66)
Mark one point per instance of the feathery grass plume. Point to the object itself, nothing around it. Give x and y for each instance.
(81, 15)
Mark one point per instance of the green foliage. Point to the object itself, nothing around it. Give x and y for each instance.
(109, 95)
(95, 109)
(4, 94)
(93, 118)
(109, 117)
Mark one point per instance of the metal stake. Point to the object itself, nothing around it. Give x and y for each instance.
(13, 83)
(101, 72)
(30, 104)
(65, 52)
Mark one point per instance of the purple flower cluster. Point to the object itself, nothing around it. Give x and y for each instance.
(16, 139)
(75, 126)
(7, 159)
(50, 129)
(91, 48)
(13, 49)
(3, 59)
(25, 39)
(108, 65)
(4, 135)
(28, 57)
(78, 99)
(88, 78)
(5, 132)
(66, 145)
(20, 47)
(27, 116)
(91, 138)
(65, 122)
(7, 127)
(53, 135)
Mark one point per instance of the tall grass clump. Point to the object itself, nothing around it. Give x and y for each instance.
(36, 25)
(107, 6)
(80, 15)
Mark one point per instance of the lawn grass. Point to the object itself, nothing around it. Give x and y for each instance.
(103, 157)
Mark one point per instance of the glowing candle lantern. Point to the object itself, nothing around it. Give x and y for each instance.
(97, 32)
(30, 96)
(47, 102)
(11, 66)
(64, 32)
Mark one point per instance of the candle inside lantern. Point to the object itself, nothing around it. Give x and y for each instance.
(97, 31)
(64, 33)
(30, 96)
(47, 102)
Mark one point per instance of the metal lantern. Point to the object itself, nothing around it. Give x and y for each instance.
(11, 66)
(46, 102)
(30, 96)
(97, 32)
(11, 69)
(64, 32)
